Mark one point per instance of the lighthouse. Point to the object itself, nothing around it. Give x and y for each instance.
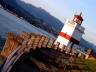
(71, 33)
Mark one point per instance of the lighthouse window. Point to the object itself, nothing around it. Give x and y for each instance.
(75, 19)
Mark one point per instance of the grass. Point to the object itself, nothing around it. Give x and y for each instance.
(89, 65)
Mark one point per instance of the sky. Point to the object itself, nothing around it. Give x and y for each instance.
(65, 9)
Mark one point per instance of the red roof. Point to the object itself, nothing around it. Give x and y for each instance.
(79, 17)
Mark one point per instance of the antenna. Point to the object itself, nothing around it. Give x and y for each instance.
(80, 13)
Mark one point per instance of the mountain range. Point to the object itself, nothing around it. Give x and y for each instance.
(36, 16)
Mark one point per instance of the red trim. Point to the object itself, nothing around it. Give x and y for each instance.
(66, 36)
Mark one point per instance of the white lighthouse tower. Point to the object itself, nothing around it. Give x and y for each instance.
(72, 32)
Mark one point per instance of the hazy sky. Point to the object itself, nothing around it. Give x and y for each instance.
(65, 9)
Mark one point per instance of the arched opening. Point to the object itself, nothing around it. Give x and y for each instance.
(39, 60)
(24, 64)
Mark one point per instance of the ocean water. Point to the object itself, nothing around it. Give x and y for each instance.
(11, 23)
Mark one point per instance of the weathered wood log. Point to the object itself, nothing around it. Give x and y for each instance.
(72, 52)
(10, 45)
(68, 50)
(9, 36)
(25, 35)
(62, 49)
(50, 43)
(41, 41)
(45, 42)
(56, 46)
(36, 42)
(19, 39)
(31, 41)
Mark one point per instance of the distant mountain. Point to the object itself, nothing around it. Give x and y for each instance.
(87, 44)
(42, 14)
(12, 6)
(33, 14)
